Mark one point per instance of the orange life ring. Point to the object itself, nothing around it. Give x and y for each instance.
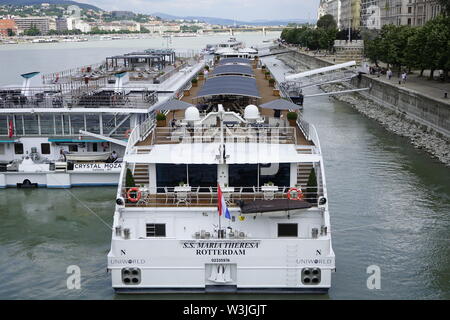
(127, 133)
(298, 192)
(138, 196)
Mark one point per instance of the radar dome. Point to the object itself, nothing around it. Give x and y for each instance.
(192, 114)
(251, 112)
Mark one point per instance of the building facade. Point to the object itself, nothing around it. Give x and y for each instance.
(334, 8)
(350, 14)
(373, 14)
(322, 9)
(7, 26)
(42, 24)
(61, 24)
(370, 14)
(400, 12)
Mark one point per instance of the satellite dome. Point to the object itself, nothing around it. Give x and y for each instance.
(192, 114)
(251, 112)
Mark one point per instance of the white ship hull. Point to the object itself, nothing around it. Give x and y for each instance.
(185, 264)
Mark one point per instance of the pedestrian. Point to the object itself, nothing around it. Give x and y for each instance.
(389, 74)
(404, 77)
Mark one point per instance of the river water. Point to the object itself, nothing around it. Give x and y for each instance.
(389, 203)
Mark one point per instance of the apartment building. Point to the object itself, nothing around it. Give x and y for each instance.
(41, 23)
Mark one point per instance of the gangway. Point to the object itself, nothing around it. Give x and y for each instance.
(295, 83)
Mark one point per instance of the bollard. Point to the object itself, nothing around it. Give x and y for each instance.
(445, 95)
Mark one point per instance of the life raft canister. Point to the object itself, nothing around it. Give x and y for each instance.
(294, 191)
(138, 195)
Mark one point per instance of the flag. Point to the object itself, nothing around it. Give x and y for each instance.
(221, 204)
(11, 129)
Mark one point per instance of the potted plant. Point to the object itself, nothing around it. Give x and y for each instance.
(292, 117)
(271, 82)
(194, 82)
(311, 187)
(201, 75)
(161, 120)
(129, 183)
(267, 74)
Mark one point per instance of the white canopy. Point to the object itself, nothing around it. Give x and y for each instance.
(208, 153)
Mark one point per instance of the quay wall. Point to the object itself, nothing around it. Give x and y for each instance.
(425, 110)
(428, 111)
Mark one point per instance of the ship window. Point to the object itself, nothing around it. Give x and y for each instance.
(45, 148)
(4, 125)
(94, 147)
(31, 124)
(280, 175)
(170, 175)
(156, 229)
(73, 148)
(18, 148)
(2, 148)
(202, 175)
(287, 230)
(243, 175)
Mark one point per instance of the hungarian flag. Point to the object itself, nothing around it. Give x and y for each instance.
(221, 204)
(11, 129)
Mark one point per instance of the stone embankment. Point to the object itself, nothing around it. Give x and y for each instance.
(420, 135)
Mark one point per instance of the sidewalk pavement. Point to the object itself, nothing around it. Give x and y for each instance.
(431, 88)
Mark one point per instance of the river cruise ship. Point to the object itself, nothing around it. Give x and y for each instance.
(70, 128)
(231, 194)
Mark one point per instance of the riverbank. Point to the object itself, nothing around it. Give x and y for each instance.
(419, 135)
(409, 114)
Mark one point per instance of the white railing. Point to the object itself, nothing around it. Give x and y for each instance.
(207, 196)
(182, 134)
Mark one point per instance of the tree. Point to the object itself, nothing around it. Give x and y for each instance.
(129, 179)
(311, 187)
(445, 4)
(33, 31)
(327, 22)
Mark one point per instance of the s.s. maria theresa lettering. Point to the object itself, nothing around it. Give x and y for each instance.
(220, 248)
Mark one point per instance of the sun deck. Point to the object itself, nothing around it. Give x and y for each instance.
(273, 130)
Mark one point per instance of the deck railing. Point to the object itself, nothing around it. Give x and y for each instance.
(206, 134)
(188, 196)
(89, 97)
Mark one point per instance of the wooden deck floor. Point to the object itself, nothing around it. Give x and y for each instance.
(266, 94)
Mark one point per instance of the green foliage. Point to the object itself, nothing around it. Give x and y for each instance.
(271, 80)
(326, 22)
(292, 115)
(194, 80)
(426, 47)
(313, 39)
(160, 116)
(311, 187)
(129, 179)
(33, 31)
